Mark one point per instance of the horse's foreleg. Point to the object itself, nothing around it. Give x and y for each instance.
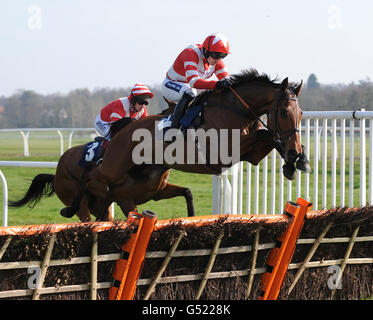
(109, 214)
(257, 152)
(102, 214)
(83, 212)
(171, 191)
(260, 150)
(127, 206)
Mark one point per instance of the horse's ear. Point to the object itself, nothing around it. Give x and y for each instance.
(298, 89)
(284, 84)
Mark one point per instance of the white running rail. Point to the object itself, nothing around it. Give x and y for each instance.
(25, 133)
(335, 141)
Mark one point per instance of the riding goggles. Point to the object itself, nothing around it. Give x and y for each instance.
(217, 55)
(142, 102)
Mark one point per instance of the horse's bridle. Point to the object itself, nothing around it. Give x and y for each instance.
(277, 135)
(281, 135)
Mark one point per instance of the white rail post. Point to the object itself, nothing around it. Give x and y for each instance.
(248, 188)
(70, 138)
(281, 183)
(5, 199)
(289, 190)
(61, 141)
(363, 169)
(343, 161)
(307, 175)
(316, 165)
(26, 152)
(265, 186)
(226, 192)
(273, 182)
(351, 171)
(324, 163)
(234, 182)
(334, 163)
(240, 187)
(256, 189)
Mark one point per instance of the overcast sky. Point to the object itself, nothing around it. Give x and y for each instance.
(58, 45)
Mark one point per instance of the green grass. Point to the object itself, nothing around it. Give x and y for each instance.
(46, 147)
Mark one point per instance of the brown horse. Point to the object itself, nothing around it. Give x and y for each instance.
(256, 95)
(65, 183)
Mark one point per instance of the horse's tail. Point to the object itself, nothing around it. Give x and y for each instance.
(41, 185)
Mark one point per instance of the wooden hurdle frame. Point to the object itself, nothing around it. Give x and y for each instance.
(172, 253)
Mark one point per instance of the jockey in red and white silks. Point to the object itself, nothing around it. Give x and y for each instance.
(132, 106)
(189, 74)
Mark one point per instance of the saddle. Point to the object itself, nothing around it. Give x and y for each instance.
(192, 118)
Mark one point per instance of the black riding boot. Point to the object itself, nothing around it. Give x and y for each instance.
(180, 109)
(303, 163)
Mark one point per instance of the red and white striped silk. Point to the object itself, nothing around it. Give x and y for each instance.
(191, 67)
(121, 108)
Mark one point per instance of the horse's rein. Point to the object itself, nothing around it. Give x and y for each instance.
(277, 135)
(247, 106)
(239, 98)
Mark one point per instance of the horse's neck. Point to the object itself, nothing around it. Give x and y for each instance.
(232, 113)
(259, 97)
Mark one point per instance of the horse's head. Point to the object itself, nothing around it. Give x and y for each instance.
(284, 120)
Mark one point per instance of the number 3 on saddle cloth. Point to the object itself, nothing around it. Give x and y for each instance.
(91, 153)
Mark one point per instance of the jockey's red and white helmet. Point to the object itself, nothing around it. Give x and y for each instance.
(216, 42)
(140, 89)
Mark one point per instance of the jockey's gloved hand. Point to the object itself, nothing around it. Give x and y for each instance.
(224, 83)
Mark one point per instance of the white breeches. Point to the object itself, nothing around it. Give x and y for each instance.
(174, 90)
(102, 127)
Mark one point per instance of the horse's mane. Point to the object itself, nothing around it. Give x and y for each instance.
(116, 126)
(252, 75)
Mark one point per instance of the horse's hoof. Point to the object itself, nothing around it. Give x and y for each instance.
(288, 170)
(67, 212)
(191, 213)
(303, 164)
